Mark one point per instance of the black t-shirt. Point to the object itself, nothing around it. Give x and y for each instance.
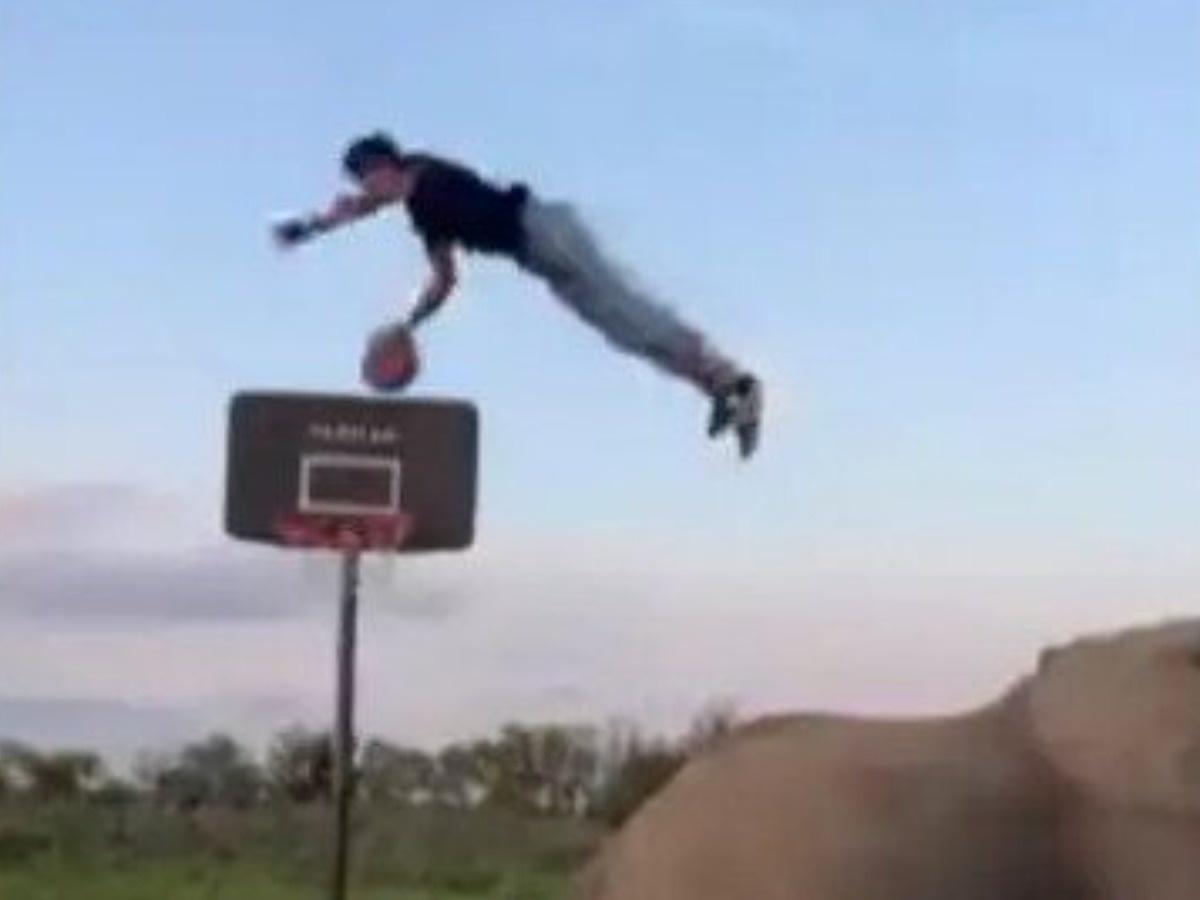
(452, 204)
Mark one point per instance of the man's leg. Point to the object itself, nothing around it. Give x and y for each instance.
(563, 251)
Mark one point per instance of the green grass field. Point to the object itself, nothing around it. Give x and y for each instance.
(82, 853)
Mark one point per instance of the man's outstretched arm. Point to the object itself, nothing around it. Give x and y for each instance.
(443, 278)
(346, 208)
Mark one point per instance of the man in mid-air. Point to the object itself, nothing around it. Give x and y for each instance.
(451, 208)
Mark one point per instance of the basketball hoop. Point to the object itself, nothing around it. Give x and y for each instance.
(380, 532)
(352, 475)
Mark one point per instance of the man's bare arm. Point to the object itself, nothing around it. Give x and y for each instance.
(346, 208)
(443, 278)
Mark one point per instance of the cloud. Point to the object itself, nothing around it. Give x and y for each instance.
(87, 586)
(213, 585)
(96, 552)
(90, 514)
(582, 647)
(193, 637)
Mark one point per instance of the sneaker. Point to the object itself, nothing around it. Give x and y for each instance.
(739, 406)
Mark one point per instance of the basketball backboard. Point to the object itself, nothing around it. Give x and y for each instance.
(302, 467)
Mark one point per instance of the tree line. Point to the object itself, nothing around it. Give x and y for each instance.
(536, 770)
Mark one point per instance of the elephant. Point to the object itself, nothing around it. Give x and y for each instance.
(1080, 782)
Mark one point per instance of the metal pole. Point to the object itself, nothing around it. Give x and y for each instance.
(344, 734)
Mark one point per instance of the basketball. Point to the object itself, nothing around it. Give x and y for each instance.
(391, 361)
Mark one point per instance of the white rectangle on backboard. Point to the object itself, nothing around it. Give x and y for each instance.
(349, 484)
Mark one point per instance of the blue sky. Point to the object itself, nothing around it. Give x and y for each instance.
(958, 238)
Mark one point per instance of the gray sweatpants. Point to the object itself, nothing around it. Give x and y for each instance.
(562, 250)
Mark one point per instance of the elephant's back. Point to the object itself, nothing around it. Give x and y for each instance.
(813, 805)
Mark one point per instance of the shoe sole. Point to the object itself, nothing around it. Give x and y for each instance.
(748, 431)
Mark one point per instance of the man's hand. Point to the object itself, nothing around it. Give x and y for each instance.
(292, 232)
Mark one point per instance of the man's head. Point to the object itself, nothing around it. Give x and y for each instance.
(376, 163)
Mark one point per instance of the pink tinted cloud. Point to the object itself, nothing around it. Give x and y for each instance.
(90, 514)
